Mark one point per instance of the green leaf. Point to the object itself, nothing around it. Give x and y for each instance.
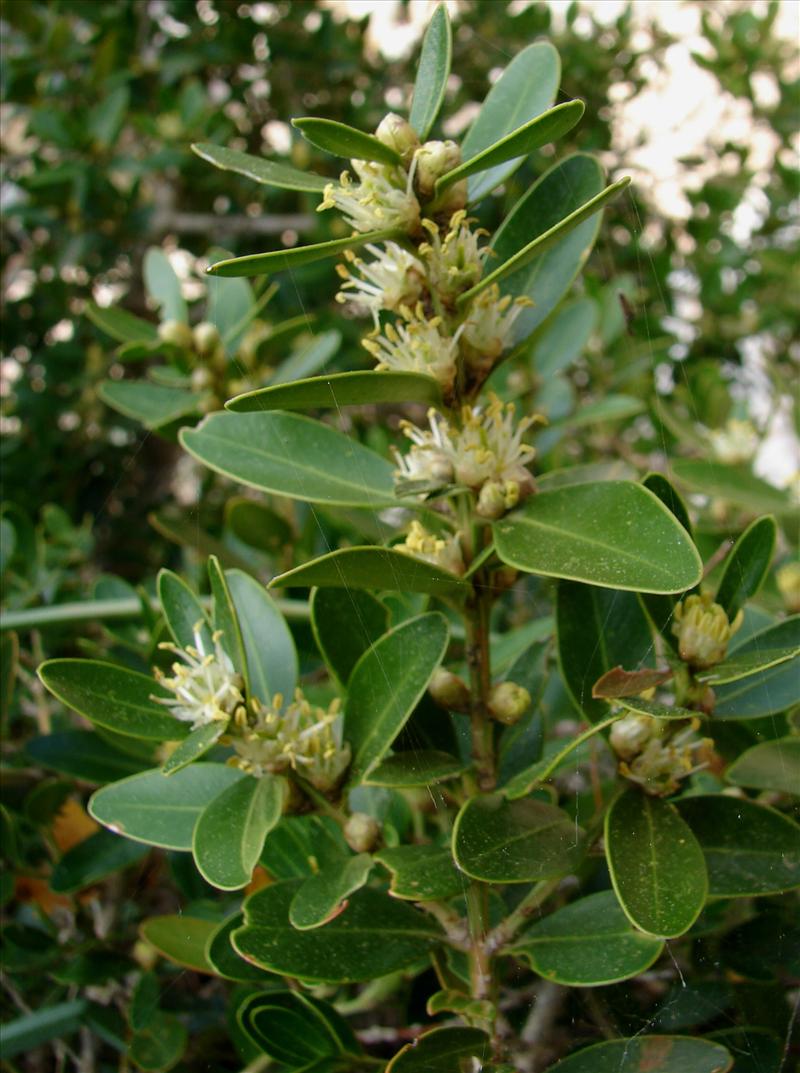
(159, 1046)
(113, 697)
(770, 691)
(269, 648)
(658, 484)
(648, 1054)
(226, 619)
(373, 568)
(345, 624)
(423, 768)
(376, 936)
(33, 1029)
(422, 873)
(144, 1001)
(305, 361)
(502, 841)
(749, 849)
(84, 755)
(341, 140)
(301, 845)
(296, 1029)
(736, 484)
(163, 286)
(268, 172)
(617, 535)
(259, 264)
(526, 88)
(293, 456)
(153, 404)
(538, 131)
(589, 943)
(598, 630)
(183, 611)
(521, 258)
(181, 938)
(323, 896)
(121, 325)
(386, 685)
(742, 665)
(192, 748)
(656, 864)
(231, 306)
(224, 960)
(257, 525)
(655, 708)
(161, 810)
(609, 408)
(660, 609)
(432, 73)
(770, 765)
(361, 388)
(526, 779)
(442, 1050)
(230, 833)
(93, 859)
(565, 338)
(747, 565)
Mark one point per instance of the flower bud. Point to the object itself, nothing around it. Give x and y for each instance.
(508, 702)
(434, 159)
(398, 134)
(361, 832)
(448, 690)
(206, 339)
(497, 497)
(631, 734)
(703, 630)
(201, 378)
(175, 332)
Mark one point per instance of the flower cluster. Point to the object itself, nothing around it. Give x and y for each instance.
(455, 262)
(417, 346)
(382, 198)
(441, 551)
(206, 687)
(656, 757)
(392, 280)
(703, 630)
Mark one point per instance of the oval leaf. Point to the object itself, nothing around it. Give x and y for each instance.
(648, 1054)
(361, 388)
(747, 565)
(323, 896)
(93, 859)
(296, 1029)
(113, 697)
(154, 405)
(84, 755)
(767, 692)
(259, 264)
(192, 748)
(386, 685)
(423, 768)
(656, 864)
(340, 140)
(292, 456)
(770, 765)
(616, 535)
(226, 619)
(422, 873)
(269, 648)
(163, 285)
(432, 73)
(373, 568)
(443, 1050)
(182, 939)
(224, 960)
(269, 172)
(183, 611)
(736, 484)
(345, 624)
(502, 841)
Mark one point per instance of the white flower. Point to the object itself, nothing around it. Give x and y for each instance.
(394, 278)
(383, 198)
(429, 461)
(441, 551)
(489, 447)
(488, 327)
(454, 263)
(303, 737)
(206, 687)
(657, 759)
(417, 346)
(735, 443)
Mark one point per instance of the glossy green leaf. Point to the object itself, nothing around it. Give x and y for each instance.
(183, 611)
(224, 960)
(767, 692)
(565, 338)
(153, 404)
(84, 755)
(361, 388)
(587, 473)
(432, 73)
(588, 943)
(526, 88)
(341, 140)
(655, 708)
(231, 306)
(292, 456)
(660, 609)
(658, 484)
(260, 264)
(442, 1050)
(501, 841)
(616, 535)
(163, 285)
(770, 765)
(305, 361)
(598, 630)
(750, 849)
(373, 568)
(31, 1030)
(656, 864)
(295, 1028)
(121, 325)
(423, 768)
(159, 1046)
(113, 697)
(747, 565)
(345, 623)
(532, 775)
(257, 525)
(609, 408)
(648, 1054)
(183, 529)
(422, 873)
(377, 935)
(161, 810)
(324, 896)
(538, 131)
(736, 484)
(230, 832)
(181, 938)
(301, 845)
(193, 747)
(93, 859)
(268, 172)
(226, 620)
(743, 664)
(386, 685)
(269, 648)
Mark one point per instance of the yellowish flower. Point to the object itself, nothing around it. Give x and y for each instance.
(382, 198)
(206, 687)
(441, 551)
(489, 447)
(393, 278)
(455, 262)
(703, 630)
(429, 461)
(417, 345)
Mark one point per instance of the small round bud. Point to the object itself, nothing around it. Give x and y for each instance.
(206, 339)
(630, 734)
(175, 332)
(145, 955)
(434, 159)
(201, 379)
(497, 497)
(361, 832)
(398, 134)
(703, 630)
(448, 690)
(508, 702)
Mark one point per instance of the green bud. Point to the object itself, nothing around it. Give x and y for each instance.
(398, 134)
(448, 690)
(361, 832)
(703, 630)
(206, 339)
(508, 702)
(175, 332)
(434, 159)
